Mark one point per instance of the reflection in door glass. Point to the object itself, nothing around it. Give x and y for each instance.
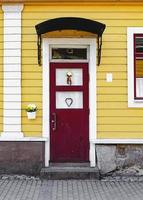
(69, 53)
(76, 76)
(69, 100)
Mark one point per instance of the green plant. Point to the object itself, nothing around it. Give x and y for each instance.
(31, 108)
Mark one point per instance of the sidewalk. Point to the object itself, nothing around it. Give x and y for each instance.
(30, 188)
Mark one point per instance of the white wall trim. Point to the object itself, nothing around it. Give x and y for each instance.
(92, 91)
(118, 141)
(130, 48)
(24, 139)
(12, 60)
(12, 8)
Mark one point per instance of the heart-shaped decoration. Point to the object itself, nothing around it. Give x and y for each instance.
(69, 101)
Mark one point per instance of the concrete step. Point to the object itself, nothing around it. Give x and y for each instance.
(69, 172)
(67, 164)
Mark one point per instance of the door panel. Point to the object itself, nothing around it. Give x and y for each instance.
(69, 112)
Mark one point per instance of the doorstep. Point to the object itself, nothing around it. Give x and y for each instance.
(61, 171)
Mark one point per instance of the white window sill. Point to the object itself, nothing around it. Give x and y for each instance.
(135, 104)
(118, 141)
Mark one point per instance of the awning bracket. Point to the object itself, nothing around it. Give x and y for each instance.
(39, 44)
(99, 50)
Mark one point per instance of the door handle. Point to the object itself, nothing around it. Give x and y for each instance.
(54, 121)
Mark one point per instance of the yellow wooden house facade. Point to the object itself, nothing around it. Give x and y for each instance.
(116, 119)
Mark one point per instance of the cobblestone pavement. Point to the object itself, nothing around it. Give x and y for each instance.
(30, 188)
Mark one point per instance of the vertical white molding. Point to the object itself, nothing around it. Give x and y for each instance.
(92, 103)
(12, 71)
(46, 100)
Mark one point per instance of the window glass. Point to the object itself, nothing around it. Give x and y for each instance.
(138, 66)
(62, 76)
(69, 53)
(69, 100)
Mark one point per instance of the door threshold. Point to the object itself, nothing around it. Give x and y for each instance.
(69, 164)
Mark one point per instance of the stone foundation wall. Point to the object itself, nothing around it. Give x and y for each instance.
(21, 157)
(117, 157)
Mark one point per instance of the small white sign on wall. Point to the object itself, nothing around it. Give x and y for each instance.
(109, 77)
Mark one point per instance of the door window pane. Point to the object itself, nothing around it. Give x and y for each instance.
(69, 53)
(62, 76)
(69, 100)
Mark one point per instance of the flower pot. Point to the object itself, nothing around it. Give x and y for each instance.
(31, 115)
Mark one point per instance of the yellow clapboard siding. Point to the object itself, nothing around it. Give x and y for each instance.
(31, 38)
(32, 75)
(32, 90)
(29, 45)
(90, 14)
(112, 98)
(112, 68)
(29, 60)
(122, 127)
(111, 105)
(111, 90)
(120, 120)
(31, 68)
(28, 53)
(1, 102)
(28, 31)
(116, 75)
(32, 134)
(115, 30)
(31, 97)
(114, 52)
(1, 60)
(120, 135)
(115, 83)
(115, 8)
(120, 112)
(33, 83)
(32, 127)
(113, 45)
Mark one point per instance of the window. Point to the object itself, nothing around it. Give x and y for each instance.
(138, 66)
(68, 53)
(135, 67)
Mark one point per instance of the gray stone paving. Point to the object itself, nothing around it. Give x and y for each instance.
(30, 188)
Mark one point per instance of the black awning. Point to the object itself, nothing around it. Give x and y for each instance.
(70, 23)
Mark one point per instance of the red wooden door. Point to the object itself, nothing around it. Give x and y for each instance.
(69, 112)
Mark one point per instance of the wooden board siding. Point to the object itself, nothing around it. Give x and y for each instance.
(114, 118)
(1, 70)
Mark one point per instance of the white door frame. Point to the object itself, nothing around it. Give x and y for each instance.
(92, 91)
